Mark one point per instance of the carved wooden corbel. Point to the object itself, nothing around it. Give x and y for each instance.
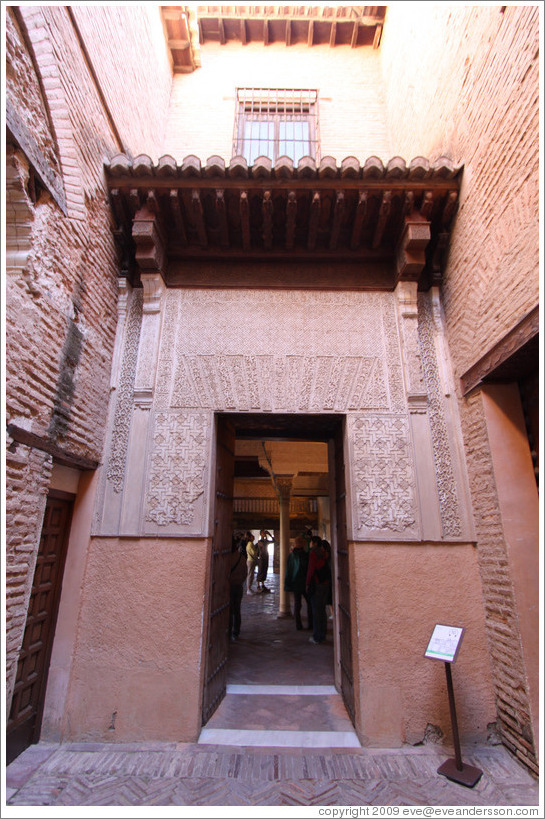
(384, 213)
(267, 220)
(314, 220)
(198, 217)
(291, 213)
(148, 236)
(338, 214)
(411, 250)
(245, 219)
(361, 212)
(221, 210)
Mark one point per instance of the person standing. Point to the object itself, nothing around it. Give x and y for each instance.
(318, 582)
(262, 561)
(251, 561)
(237, 576)
(295, 580)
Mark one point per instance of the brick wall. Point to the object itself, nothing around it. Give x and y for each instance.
(127, 48)
(465, 82)
(351, 103)
(61, 287)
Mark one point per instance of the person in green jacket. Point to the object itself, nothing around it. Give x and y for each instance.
(295, 580)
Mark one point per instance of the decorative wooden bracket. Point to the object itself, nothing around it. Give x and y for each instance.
(411, 250)
(148, 237)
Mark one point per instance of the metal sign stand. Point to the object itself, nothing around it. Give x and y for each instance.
(444, 645)
(455, 769)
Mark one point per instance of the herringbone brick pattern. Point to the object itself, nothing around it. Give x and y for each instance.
(189, 775)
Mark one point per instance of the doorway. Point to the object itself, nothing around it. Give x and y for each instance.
(24, 723)
(259, 447)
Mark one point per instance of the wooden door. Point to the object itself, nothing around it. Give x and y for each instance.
(24, 723)
(343, 579)
(218, 623)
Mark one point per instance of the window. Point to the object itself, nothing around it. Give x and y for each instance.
(276, 122)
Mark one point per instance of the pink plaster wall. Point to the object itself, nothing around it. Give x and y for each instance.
(137, 661)
(401, 592)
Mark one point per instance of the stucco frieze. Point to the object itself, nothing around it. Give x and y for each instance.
(295, 352)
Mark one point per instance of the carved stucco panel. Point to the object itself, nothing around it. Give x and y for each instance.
(279, 383)
(446, 483)
(178, 469)
(167, 350)
(115, 472)
(393, 355)
(315, 352)
(383, 478)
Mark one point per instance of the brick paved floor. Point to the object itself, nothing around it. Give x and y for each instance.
(270, 652)
(146, 775)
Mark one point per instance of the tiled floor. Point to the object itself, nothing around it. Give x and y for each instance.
(280, 691)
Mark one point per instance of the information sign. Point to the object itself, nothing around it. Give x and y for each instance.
(445, 643)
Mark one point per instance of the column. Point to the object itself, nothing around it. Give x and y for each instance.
(283, 488)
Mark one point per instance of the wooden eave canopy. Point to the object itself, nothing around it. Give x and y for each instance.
(384, 222)
(293, 25)
(187, 28)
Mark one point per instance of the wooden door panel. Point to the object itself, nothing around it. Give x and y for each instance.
(343, 580)
(24, 721)
(218, 623)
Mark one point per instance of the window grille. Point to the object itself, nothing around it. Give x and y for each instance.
(276, 122)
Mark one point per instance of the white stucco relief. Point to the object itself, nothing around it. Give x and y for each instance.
(384, 496)
(125, 392)
(177, 468)
(449, 494)
(277, 351)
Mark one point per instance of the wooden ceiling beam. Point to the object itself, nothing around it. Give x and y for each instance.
(359, 218)
(222, 216)
(355, 31)
(177, 216)
(310, 41)
(243, 34)
(181, 45)
(333, 34)
(338, 214)
(314, 221)
(427, 205)
(384, 213)
(288, 32)
(221, 31)
(291, 214)
(135, 200)
(198, 218)
(408, 203)
(267, 220)
(152, 202)
(244, 206)
(265, 32)
(449, 209)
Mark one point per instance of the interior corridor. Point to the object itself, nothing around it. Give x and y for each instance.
(280, 687)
